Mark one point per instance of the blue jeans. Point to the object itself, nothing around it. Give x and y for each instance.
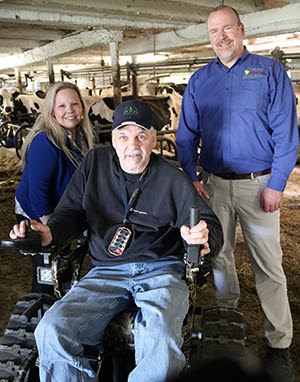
(161, 294)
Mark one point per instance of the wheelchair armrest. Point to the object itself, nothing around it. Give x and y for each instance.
(31, 243)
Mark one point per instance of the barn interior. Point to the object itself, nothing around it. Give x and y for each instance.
(103, 43)
(123, 44)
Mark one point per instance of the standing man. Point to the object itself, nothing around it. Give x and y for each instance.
(242, 106)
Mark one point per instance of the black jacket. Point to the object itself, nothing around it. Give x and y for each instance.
(93, 200)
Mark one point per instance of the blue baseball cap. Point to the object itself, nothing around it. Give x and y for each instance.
(133, 112)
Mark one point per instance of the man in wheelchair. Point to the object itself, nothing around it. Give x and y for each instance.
(135, 206)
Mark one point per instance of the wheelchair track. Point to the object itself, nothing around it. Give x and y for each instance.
(18, 339)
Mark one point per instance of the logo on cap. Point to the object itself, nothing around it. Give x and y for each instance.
(131, 110)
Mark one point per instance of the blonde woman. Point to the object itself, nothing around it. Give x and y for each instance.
(57, 143)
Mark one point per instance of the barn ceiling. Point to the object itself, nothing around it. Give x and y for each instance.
(67, 32)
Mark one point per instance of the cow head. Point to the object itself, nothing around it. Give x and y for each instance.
(7, 101)
(16, 107)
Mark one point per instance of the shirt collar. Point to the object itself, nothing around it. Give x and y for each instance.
(243, 57)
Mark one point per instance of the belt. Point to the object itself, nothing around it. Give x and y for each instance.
(251, 175)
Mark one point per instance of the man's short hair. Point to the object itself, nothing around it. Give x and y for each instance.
(221, 7)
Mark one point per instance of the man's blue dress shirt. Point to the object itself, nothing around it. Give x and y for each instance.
(245, 117)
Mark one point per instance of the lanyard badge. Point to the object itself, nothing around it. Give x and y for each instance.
(122, 236)
(120, 240)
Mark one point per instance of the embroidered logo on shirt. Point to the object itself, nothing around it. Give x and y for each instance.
(253, 73)
(138, 212)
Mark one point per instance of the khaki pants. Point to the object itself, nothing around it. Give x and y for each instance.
(261, 231)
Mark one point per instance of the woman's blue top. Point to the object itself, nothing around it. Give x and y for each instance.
(47, 172)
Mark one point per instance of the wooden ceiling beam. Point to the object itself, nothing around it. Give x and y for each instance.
(61, 47)
(30, 33)
(74, 20)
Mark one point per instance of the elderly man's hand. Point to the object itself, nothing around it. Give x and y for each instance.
(197, 235)
(20, 229)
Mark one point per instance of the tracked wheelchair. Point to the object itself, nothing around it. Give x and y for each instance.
(206, 333)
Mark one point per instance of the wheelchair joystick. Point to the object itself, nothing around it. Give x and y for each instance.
(193, 249)
(31, 243)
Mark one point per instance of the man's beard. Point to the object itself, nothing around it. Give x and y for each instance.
(136, 164)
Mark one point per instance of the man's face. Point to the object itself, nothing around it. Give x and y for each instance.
(226, 35)
(133, 146)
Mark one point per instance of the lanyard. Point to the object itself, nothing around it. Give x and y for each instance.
(134, 195)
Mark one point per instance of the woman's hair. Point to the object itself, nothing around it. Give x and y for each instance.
(55, 132)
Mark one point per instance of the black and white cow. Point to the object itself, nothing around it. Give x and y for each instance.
(165, 108)
(152, 88)
(170, 88)
(17, 112)
(175, 94)
(16, 107)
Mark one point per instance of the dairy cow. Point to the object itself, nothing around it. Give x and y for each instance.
(17, 113)
(175, 93)
(5, 102)
(151, 88)
(16, 107)
(165, 108)
(174, 103)
(171, 88)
